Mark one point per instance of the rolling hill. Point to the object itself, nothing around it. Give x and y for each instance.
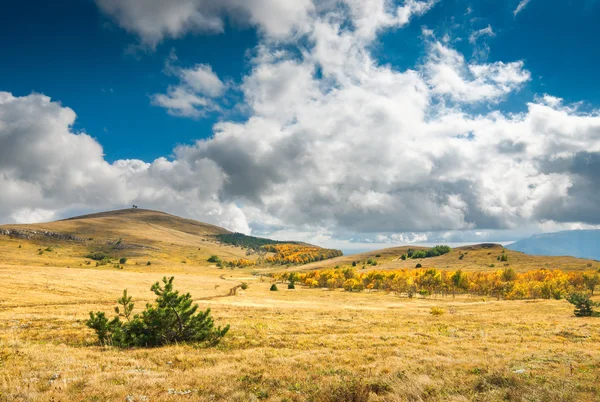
(576, 243)
(167, 241)
(146, 238)
(481, 257)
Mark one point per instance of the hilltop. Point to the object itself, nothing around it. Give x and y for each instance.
(576, 243)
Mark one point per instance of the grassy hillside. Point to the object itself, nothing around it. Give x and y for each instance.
(474, 258)
(136, 234)
(143, 236)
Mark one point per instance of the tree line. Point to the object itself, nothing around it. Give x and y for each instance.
(506, 283)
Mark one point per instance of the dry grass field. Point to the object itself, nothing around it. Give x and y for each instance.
(290, 345)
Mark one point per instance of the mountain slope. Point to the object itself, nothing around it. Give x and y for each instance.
(144, 238)
(137, 234)
(576, 243)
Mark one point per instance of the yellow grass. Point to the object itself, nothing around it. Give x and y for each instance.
(306, 344)
(289, 345)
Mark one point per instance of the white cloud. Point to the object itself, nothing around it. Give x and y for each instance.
(488, 31)
(46, 170)
(521, 7)
(154, 20)
(194, 95)
(336, 146)
(180, 101)
(449, 74)
(203, 80)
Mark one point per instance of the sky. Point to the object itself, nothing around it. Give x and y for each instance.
(354, 124)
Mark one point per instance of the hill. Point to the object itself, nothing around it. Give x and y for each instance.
(481, 257)
(576, 243)
(141, 236)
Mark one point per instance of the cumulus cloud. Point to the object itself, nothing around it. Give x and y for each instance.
(335, 145)
(47, 169)
(154, 20)
(195, 93)
(449, 74)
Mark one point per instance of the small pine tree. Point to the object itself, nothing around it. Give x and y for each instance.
(172, 319)
(584, 306)
(273, 288)
(214, 258)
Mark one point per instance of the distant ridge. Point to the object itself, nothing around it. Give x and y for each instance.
(575, 243)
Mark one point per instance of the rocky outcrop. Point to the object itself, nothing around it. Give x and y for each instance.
(37, 234)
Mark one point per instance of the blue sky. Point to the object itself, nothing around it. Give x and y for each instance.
(73, 53)
(339, 122)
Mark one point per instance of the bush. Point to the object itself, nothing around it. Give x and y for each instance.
(172, 319)
(148, 263)
(273, 288)
(214, 258)
(244, 286)
(419, 254)
(584, 306)
(436, 311)
(418, 266)
(123, 260)
(291, 285)
(97, 256)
